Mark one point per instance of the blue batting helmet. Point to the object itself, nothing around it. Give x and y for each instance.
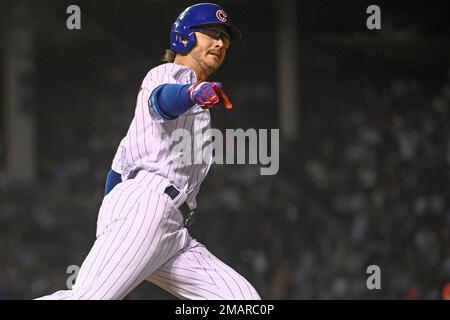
(198, 15)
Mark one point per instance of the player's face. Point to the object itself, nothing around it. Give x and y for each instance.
(211, 48)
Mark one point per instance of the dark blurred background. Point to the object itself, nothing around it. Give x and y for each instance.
(364, 155)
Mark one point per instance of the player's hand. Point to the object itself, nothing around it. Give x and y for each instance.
(207, 94)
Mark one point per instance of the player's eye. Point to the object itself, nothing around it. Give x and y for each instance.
(216, 34)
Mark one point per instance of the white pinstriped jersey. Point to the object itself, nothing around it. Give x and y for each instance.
(141, 234)
(147, 144)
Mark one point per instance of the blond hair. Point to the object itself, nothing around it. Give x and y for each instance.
(169, 56)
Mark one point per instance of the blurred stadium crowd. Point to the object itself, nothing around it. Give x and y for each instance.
(367, 185)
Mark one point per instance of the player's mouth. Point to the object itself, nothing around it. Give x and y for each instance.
(217, 55)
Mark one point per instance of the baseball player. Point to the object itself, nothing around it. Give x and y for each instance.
(150, 197)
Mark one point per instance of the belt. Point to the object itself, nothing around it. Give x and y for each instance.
(188, 214)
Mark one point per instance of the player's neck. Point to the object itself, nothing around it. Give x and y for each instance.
(201, 73)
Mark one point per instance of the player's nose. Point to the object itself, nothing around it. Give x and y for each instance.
(220, 44)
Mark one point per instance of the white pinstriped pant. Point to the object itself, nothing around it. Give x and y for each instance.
(140, 236)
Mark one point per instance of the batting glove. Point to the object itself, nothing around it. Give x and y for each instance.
(207, 94)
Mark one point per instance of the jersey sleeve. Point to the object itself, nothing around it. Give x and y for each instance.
(119, 158)
(166, 74)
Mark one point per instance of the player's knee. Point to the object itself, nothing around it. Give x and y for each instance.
(58, 295)
(245, 292)
(251, 293)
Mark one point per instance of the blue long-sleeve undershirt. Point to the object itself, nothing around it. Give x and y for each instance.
(171, 100)
(112, 179)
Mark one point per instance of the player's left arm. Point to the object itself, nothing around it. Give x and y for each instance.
(112, 179)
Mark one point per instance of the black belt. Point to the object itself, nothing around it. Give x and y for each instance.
(187, 213)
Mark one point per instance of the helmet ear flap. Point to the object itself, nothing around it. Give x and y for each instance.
(182, 42)
(180, 39)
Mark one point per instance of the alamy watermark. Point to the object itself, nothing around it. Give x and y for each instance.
(73, 22)
(374, 20)
(374, 280)
(72, 270)
(236, 147)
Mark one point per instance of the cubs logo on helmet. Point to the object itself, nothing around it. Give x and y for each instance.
(221, 15)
